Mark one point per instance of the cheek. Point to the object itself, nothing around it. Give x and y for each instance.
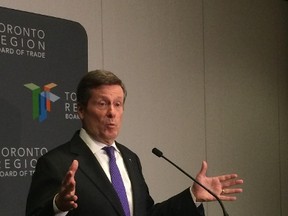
(120, 118)
(94, 118)
(91, 118)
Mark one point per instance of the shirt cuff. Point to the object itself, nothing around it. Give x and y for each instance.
(194, 198)
(57, 211)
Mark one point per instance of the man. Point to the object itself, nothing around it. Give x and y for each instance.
(78, 178)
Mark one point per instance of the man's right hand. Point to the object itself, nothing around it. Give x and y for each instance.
(66, 199)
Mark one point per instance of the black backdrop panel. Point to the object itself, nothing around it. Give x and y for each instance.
(42, 59)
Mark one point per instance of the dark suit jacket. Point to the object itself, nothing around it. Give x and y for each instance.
(96, 196)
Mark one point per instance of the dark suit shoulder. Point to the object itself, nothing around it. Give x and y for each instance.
(64, 154)
(70, 146)
(126, 152)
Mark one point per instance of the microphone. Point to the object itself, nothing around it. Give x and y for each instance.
(158, 153)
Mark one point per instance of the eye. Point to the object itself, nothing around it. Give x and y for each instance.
(101, 104)
(118, 104)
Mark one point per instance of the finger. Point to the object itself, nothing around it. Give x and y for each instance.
(230, 183)
(66, 203)
(69, 190)
(66, 198)
(68, 179)
(71, 173)
(227, 177)
(73, 167)
(227, 198)
(231, 191)
(67, 194)
(204, 168)
(69, 198)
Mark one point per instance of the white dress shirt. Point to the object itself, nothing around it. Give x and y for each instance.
(97, 149)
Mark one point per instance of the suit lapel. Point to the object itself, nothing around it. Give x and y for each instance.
(91, 168)
(132, 167)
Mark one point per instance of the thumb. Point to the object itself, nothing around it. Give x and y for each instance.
(204, 169)
(74, 166)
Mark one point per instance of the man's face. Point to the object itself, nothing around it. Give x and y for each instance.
(102, 117)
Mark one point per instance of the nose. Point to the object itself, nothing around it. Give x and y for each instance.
(111, 111)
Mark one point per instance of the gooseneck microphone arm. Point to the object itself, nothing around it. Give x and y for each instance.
(158, 153)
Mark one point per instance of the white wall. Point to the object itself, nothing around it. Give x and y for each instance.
(246, 86)
(206, 80)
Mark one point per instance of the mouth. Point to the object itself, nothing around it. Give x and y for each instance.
(111, 125)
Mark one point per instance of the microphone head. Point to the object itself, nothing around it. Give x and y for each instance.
(157, 152)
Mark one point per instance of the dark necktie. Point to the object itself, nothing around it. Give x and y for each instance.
(116, 180)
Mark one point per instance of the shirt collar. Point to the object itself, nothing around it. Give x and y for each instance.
(93, 144)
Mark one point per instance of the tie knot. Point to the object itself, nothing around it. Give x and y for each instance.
(110, 151)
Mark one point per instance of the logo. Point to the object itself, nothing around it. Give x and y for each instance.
(41, 100)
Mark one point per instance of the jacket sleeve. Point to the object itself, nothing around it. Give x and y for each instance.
(45, 184)
(178, 205)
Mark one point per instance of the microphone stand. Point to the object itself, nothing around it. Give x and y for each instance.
(158, 153)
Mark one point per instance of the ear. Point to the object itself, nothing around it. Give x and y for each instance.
(80, 111)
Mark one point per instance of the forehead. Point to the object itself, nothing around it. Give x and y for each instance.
(111, 91)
